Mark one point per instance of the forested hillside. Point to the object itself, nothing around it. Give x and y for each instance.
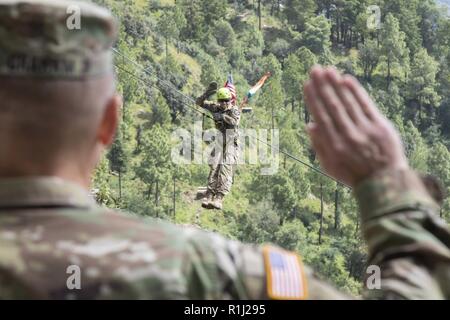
(170, 50)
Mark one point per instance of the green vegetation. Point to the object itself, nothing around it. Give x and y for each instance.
(188, 43)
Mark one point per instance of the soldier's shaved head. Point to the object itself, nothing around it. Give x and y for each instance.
(48, 125)
(58, 108)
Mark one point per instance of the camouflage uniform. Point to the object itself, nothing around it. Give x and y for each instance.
(223, 157)
(405, 236)
(48, 225)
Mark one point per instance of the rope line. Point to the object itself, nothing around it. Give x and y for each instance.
(159, 89)
(171, 87)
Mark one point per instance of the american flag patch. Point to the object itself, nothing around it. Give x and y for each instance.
(285, 275)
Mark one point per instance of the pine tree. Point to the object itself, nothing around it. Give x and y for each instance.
(299, 11)
(316, 37)
(369, 57)
(422, 85)
(393, 47)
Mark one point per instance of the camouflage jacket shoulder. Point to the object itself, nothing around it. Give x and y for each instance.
(406, 238)
(230, 117)
(49, 228)
(52, 231)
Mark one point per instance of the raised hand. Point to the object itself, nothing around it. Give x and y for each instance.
(352, 139)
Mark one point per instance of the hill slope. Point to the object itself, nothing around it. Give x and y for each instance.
(167, 51)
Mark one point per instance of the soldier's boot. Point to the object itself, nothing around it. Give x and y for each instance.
(201, 194)
(218, 201)
(208, 199)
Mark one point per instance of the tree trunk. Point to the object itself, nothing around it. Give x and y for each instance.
(420, 113)
(138, 138)
(372, 69)
(259, 15)
(157, 193)
(167, 49)
(174, 196)
(273, 121)
(337, 213)
(389, 74)
(357, 227)
(124, 107)
(337, 31)
(351, 38)
(344, 33)
(120, 184)
(306, 115)
(149, 192)
(321, 213)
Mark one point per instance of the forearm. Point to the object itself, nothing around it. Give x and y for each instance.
(232, 121)
(210, 106)
(405, 236)
(200, 100)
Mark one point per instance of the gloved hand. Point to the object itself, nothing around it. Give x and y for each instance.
(218, 116)
(212, 89)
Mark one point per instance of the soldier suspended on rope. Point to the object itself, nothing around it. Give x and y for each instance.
(226, 116)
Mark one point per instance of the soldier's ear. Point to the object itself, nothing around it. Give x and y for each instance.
(110, 120)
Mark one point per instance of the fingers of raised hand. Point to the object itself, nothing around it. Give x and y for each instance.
(335, 106)
(351, 105)
(326, 154)
(318, 111)
(362, 97)
(321, 146)
(351, 136)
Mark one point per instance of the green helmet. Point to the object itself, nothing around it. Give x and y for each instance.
(224, 94)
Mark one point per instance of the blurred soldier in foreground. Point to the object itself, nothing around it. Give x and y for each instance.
(226, 118)
(400, 219)
(59, 112)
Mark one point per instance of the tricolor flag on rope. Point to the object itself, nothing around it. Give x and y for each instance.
(230, 85)
(254, 89)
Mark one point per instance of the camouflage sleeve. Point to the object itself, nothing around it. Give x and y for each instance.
(210, 106)
(232, 117)
(405, 237)
(225, 269)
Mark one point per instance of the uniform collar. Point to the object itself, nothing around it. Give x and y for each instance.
(42, 192)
